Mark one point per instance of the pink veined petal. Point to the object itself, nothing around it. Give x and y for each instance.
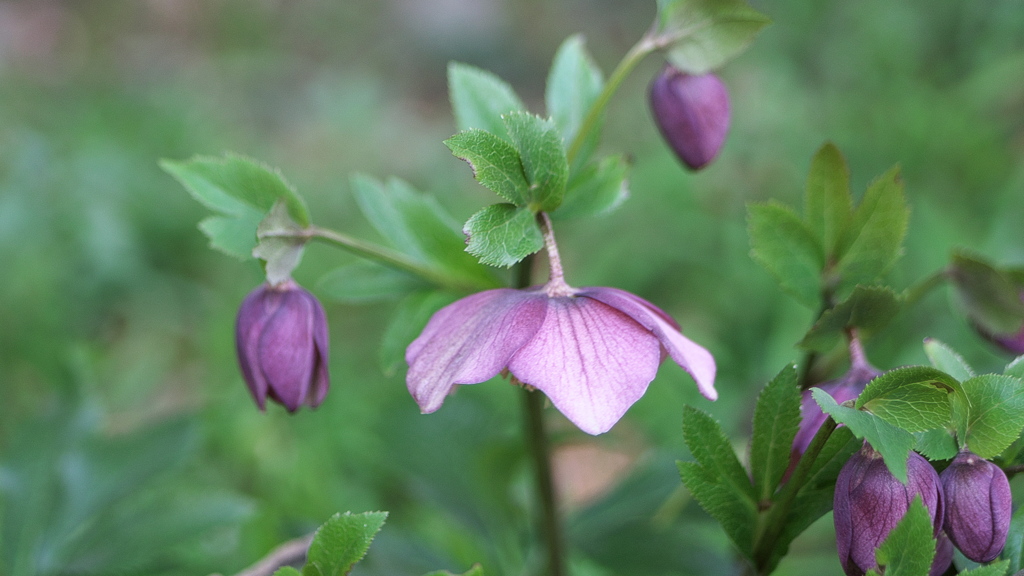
(689, 355)
(470, 341)
(286, 350)
(591, 360)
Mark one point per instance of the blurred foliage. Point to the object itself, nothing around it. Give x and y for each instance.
(125, 422)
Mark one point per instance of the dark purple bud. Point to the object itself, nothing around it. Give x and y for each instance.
(692, 113)
(978, 506)
(869, 502)
(281, 338)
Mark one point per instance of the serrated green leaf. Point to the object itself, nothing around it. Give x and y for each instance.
(1015, 368)
(995, 416)
(279, 244)
(874, 240)
(417, 225)
(948, 360)
(287, 571)
(936, 444)
(993, 569)
(409, 319)
(495, 163)
(366, 281)
(913, 407)
(776, 420)
(573, 86)
(702, 35)
(893, 380)
(595, 190)
(241, 191)
(867, 308)
(781, 242)
(991, 295)
(909, 548)
(542, 152)
(342, 541)
(475, 570)
(828, 207)
(479, 98)
(501, 235)
(717, 480)
(891, 442)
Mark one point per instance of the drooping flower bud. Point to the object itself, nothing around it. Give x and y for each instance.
(692, 113)
(869, 502)
(281, 338)
(978, 506)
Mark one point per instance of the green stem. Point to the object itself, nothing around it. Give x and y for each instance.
(645, 46)
(550, 523)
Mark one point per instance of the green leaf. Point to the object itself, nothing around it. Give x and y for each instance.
(909, 549)
(475, 570)
(874, 240)
(501, 235)
(993, 569)
(573, 86)
(776, 420)
(702, 35)
(287, 571)
(781, 243)
(913, 407)
(366, 281)
(279, 246)
(828, 206)
(417, 225)
(241, 191)
(991, 295)
(1014, 550)
(479, 98)
(1015, 368)
(893, 443)
(342, 541)
(948, 360)
(409, 319)
(936, 444)
(888, 383)
(717, 480)
(995, 415)
(542, 152)
(596, 189)
(495, 163)
(868, 308)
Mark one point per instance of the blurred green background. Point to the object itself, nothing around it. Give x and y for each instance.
(128, 442)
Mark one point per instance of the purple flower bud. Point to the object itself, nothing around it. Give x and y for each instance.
(869, 502)
(692, 113)
(978, 506)
(281, 338)
(848, 387)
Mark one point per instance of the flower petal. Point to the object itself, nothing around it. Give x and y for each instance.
(321, 341)
(591, 360)
(470, 341)
(689, 355)
(252, 314)
(286, 350)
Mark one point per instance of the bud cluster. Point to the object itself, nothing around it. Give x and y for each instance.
(970, 506)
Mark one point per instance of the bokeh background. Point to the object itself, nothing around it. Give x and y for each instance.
(128, 442)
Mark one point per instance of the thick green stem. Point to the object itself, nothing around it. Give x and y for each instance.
(645, 46)
(549, 523)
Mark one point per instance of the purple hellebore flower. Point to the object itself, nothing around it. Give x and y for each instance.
(978, 506)
(869, 502)
(592, 351)
(281, 338)
(692, 113)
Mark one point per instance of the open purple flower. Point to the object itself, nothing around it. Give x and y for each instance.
(281, 337)
(592, 351)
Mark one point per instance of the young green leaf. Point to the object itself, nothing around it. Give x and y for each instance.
(233, 235)
(596, 189)
(501, 235)
(874, 240)
(542, 152)
(776, 420)
(828, 206)
(479, 98)
(495, 163)
(994, 417)
(1015, 368)
(936, 444)
(909, 548)
(892, 442)
(342, 541)
(948, 360)
(366, 281)
(280, 246)
(410, 316)
(781, 243)
(991, 296)
(573, 85)
(868, 308)
(717, 480)
(887, 384)
(702, 35)
(993, 569)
